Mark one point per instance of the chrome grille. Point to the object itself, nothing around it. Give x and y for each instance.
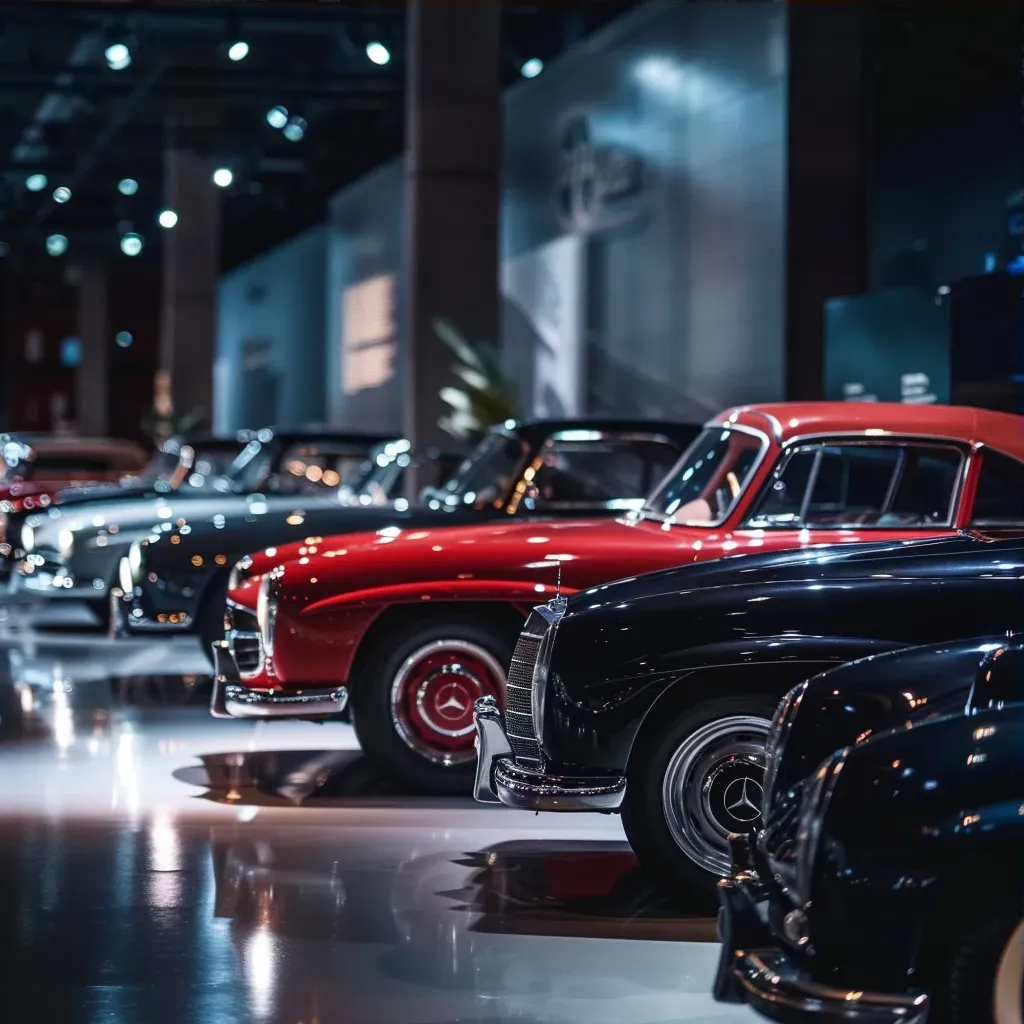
(522, 736)
(243, 636)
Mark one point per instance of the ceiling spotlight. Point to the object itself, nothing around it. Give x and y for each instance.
(238, 51)
(118, 56)
(123, 339)
(277, 117)
(532, 68)
(295, 129)
(61, 194)
(222, 177)
(131, 244)
(378, 53)
(127, 186)
(35, 182)
(166, 219)
(57, 245)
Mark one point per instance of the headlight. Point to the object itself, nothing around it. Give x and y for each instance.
(813, 805)
(124, 575)
(27, 540)
(239, 573)
(775, 745)
(266, 611)
(66, 543)
(135, 563)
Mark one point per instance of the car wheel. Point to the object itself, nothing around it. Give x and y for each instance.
(698, 780)
(983, 983)
(413, 705)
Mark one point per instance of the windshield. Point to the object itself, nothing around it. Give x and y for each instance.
(219, 467)
(487, 474)
(708, 480)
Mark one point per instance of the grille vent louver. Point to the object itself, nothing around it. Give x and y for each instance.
(519, 700)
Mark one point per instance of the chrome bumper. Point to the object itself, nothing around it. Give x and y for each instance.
(231, 698)
(501, 779)
(752, 969)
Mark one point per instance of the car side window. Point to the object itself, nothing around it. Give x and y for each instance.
(999, 499)
(601, 472)
(864, 486)
(312, 469)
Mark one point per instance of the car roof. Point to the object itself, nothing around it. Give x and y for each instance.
(534, 431)
(787, 421)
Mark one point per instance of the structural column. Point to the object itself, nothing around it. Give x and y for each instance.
(191, 265)
(453, 144)
(827, 170)
(92, 376)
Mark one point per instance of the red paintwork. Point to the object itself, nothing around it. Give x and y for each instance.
(331, 591)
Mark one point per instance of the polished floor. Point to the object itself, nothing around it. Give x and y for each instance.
(160, 866)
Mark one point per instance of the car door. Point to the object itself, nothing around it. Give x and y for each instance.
(847, 490)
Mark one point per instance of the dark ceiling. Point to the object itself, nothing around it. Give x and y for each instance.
(66, 114)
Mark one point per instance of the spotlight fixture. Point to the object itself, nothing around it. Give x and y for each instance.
(131, 244)
(36, 182)
(127, 186)
(222, 177)
(61, 194)
(532, 68)
(238, 51)
(378, 53)
(166, 219)
(277, 117)
(118, 56)
(57, 245)
(295, 129)
(123, 339)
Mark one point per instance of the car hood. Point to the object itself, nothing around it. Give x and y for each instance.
(506, 560)
(870, 696)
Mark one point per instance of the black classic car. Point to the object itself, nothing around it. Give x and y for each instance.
(653, 696)
(71, 551)
(886, 883)
(176, 582)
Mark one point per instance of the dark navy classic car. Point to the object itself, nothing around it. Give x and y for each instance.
(653, 696)
(886, 883)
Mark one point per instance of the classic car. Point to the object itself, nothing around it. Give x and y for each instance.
(654, 696)
(177, 582)
(34, 469)
(892, 889)
(420, 622)
(71, 552)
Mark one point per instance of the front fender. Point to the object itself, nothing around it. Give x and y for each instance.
(599, 727)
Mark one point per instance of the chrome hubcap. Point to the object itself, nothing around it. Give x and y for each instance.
(713, 786)
(432, 698)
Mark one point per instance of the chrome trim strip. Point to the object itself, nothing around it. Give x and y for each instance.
(491, 744)
(518, 786)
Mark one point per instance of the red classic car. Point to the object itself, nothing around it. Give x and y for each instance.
(418, 623)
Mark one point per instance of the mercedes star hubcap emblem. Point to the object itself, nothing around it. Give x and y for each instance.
(450, 702)
(743, 797)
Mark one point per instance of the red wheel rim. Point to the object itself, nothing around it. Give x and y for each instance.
(433, 694)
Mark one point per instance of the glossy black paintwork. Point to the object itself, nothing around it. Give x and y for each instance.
(886, 691)
(760, 623)
(920, 820)
(181, 586)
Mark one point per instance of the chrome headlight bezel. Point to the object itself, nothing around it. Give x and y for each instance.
(775, 743)
(239, 572)
(266, 611)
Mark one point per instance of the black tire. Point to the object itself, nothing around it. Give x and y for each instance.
(210, 620)
(380, 731)
(661, 763)
(963, 989)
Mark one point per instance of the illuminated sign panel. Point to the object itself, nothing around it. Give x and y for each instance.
(368, 334)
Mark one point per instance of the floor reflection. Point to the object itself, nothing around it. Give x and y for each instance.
(162, 867)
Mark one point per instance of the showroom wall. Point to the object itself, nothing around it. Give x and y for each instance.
(643, 230)
(269, 367)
